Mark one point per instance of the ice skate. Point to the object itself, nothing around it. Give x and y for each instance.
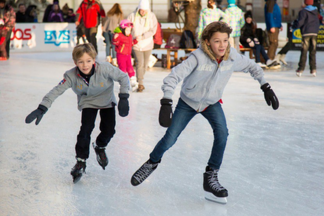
(114, 62)
(78, 169)
(299, 72)
(313, 72)
(134, 83)
(143, 172)
(214, 191)
(273, 64)
(101, 155)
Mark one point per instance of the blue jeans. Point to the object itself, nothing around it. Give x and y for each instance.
(108, 38)
(182, 115)
(259, 49)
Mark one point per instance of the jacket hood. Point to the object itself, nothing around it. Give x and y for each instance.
(209, 52)
(311, 8)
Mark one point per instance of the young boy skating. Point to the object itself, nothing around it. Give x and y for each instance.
(93, 83)
(205, 74)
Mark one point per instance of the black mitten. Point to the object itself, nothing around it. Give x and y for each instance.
(123, 106)
(270, 96)
(38, 113)
(165, 116)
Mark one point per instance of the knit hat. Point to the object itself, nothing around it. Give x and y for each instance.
(144, 5)
(309, 2)
(231, 1)
(248, 14)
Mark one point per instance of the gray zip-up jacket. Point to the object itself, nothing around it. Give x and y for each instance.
(98, 93)
(204, 79)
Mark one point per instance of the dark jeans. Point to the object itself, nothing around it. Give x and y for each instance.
(273, 40)
(257, 50)
(8, 42)
(109, 45)
(91, 34)
(286, 48)
(308, 44)
(182, 115)
(107, 130)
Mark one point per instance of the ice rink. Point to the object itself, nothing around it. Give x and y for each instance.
(273, 163)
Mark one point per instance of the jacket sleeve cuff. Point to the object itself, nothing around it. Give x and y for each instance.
(168, 95)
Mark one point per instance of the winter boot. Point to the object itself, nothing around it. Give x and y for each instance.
(101, 155)
(78, 169)
(109, 59)
(214, 191)
(140, 88)
(143, 172)
(114, 62)
(134, 83)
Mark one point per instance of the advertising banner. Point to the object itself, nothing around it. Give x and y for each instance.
(47, 37)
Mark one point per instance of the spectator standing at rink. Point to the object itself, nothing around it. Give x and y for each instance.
(21, 14)
(70, 18)
(235, 19)
(8, 15)
(93, 83)
(249, 39)
(272, 16)
(56, 14)
(208, 15)
(48, 10)
(89, 11)
(114, 16)
(308, 23)
(145, 25)
(205, 74)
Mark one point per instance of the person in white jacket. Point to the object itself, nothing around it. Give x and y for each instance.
(145, 25)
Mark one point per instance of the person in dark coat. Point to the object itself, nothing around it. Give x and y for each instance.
(21, 15)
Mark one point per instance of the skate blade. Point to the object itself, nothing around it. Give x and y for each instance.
(77, 178)
(213, 198)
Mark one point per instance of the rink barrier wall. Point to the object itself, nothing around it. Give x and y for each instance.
(55, 37)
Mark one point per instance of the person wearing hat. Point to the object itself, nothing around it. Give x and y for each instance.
(249, 39)
(308, 23)
(235, 19)
(145, 25)
(8, 15)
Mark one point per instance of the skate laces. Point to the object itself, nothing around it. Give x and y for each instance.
(101, 153)
(213, 181)
(144, 172)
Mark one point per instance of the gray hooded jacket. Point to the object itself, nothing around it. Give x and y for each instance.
(98, 93)
(204, 79)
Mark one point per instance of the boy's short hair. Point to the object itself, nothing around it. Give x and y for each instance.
(80, 49)
(215, 27)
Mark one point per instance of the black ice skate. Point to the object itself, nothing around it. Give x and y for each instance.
(143, 172)
(78, 169)
(214, 191)
(101, 155)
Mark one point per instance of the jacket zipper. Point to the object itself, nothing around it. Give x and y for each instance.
(121, 50)
(214, 74)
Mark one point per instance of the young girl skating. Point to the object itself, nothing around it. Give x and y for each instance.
(205, 74)
(93, 83)
(124, 42)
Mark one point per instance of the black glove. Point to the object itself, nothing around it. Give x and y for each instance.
(123, 106)
(270, 96)
(38, 113)
(165, 116)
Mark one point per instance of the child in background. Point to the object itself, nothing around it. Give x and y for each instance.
(124, 42)
(235, 19)
(205, 74)
(3, 34)
(93, 84)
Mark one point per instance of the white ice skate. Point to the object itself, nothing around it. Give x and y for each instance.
(211, 197)
(134, 83)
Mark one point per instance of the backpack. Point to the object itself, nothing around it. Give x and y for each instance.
(262, 36)
(187, 40)
(173, 41)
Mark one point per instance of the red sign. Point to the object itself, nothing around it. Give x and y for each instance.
(20, 34)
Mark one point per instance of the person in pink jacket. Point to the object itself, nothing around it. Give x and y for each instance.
(124, 42)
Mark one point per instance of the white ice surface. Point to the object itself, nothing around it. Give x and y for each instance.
(273, 163)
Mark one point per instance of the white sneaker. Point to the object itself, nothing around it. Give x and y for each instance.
(261, 65)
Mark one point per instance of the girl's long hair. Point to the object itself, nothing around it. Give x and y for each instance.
(115, 10)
